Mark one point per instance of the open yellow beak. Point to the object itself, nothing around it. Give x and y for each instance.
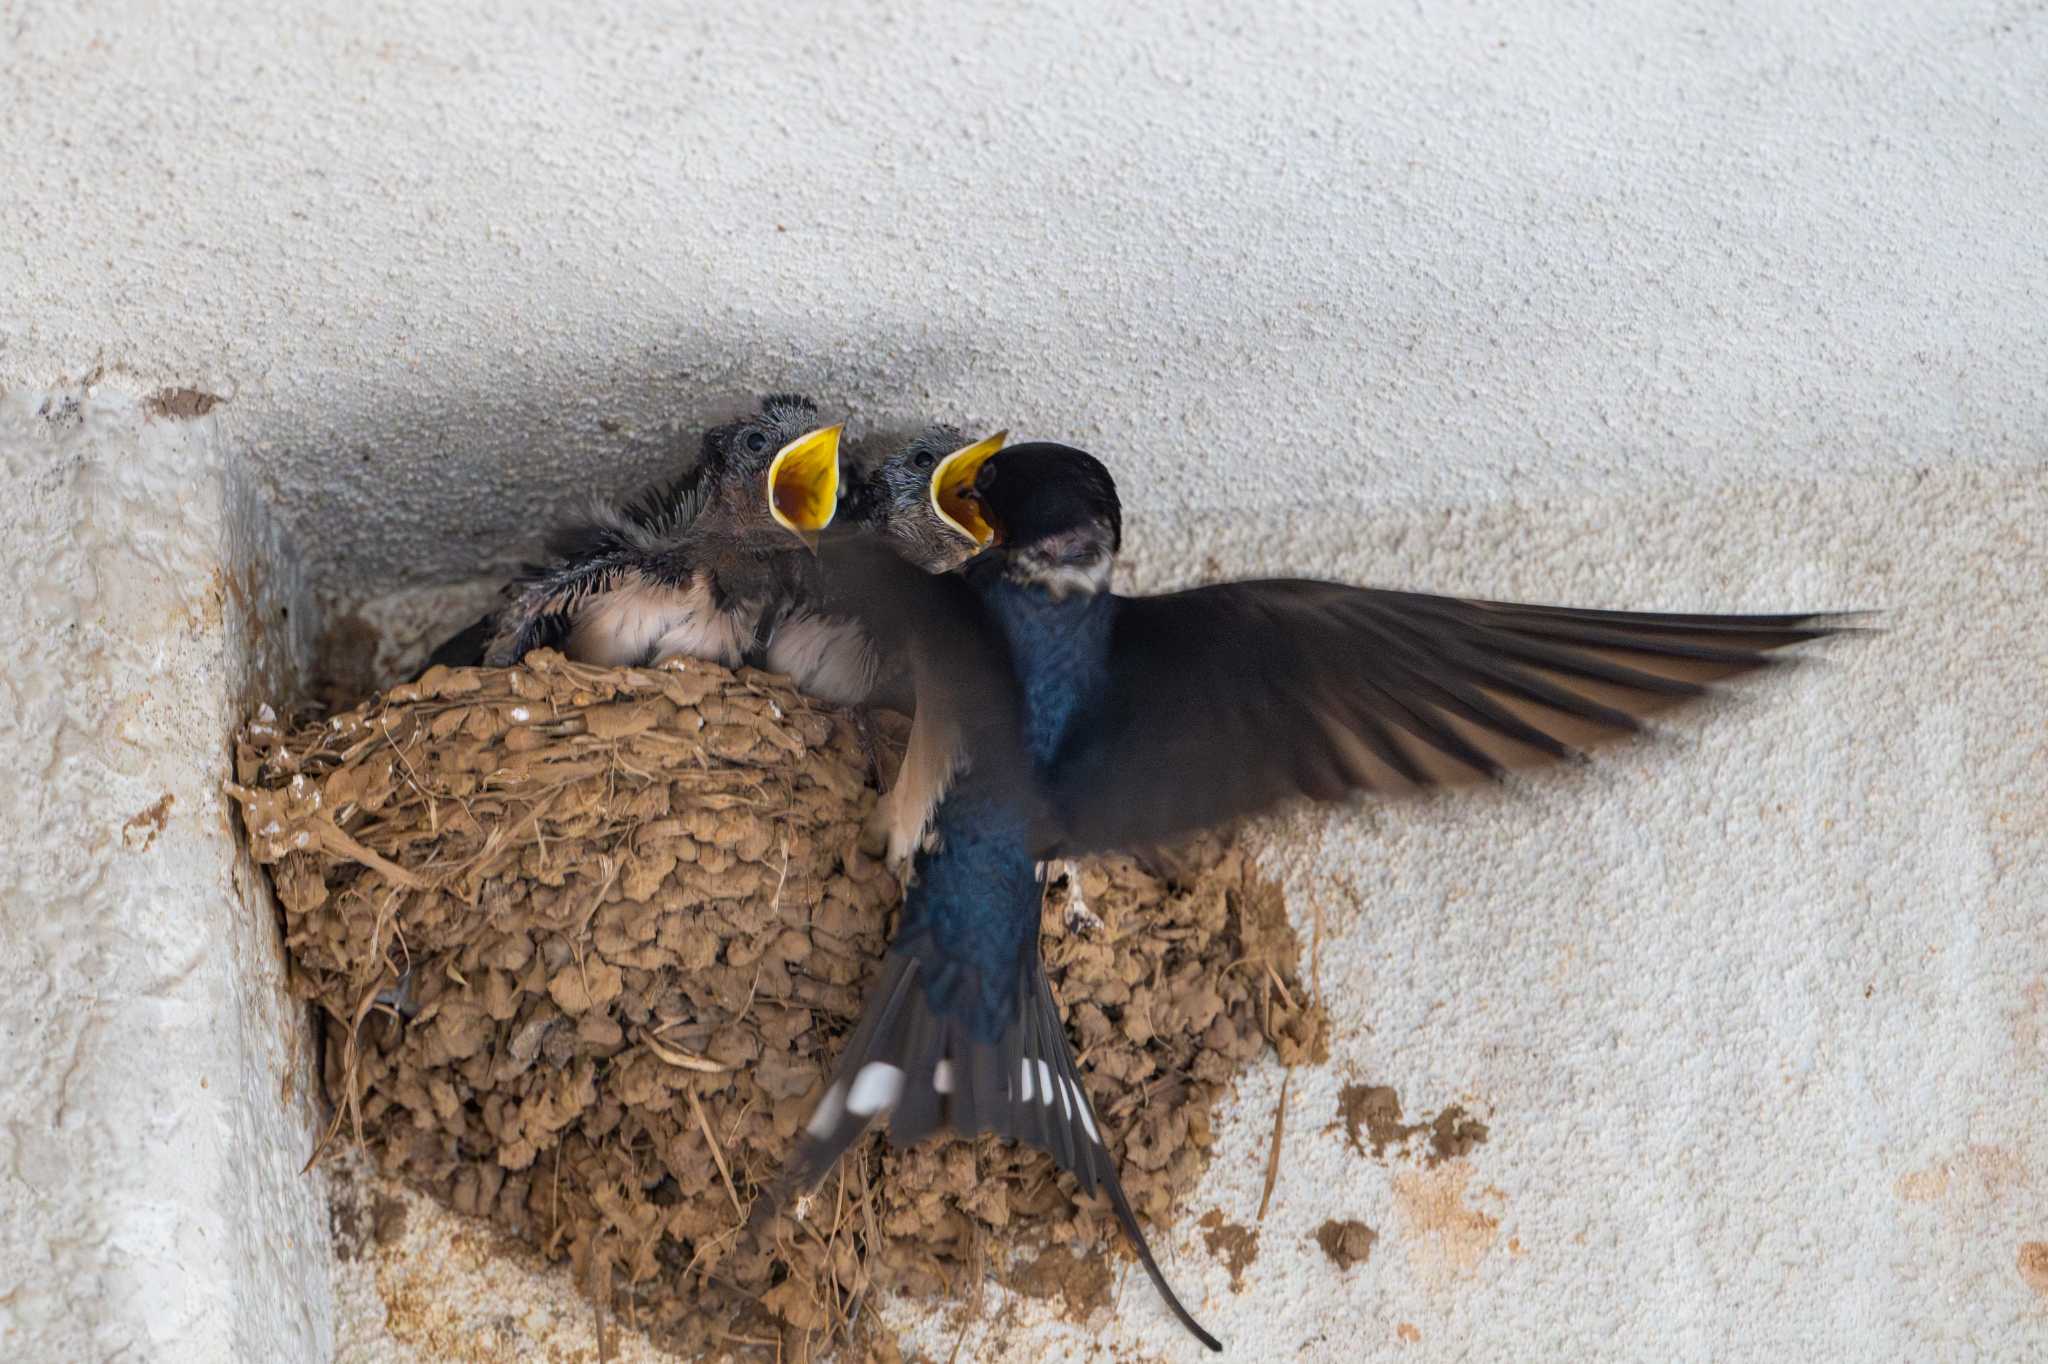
(953, 488)
(803, 483)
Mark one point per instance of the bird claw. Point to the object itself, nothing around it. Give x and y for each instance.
(883, 835)
(1079, 918)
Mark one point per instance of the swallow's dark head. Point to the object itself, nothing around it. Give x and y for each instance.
(905, 498)
(777, 466)
(1054, 512)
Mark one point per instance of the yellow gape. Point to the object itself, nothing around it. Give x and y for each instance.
(803, 483)
(953, 487)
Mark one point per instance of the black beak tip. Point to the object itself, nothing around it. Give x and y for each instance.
(854, 502)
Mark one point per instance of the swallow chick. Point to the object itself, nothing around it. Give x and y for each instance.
(1081, 721)
(900, 498)
(715, 565)
(687, 567)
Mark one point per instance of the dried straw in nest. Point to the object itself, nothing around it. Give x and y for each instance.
(585, 940)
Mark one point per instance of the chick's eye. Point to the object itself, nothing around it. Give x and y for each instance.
(926, 459)
(756, 442)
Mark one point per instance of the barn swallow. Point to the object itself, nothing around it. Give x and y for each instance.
(961, 1032)
(1084, 721)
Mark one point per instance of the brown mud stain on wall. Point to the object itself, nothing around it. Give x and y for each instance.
(360, 1222)
(1234, 1246)
(1081, 1282)
(142, 827)
(1924, 1186)
(1974, 1178)
(2034, 1266)
(1444, 1235)
(2030, 1025)
(344, 661)
(1346, 1243)
(1453, 1133)
(1374, 1113)
(182, 404)
(1407, 1334)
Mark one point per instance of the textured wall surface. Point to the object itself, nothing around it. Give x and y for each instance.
(1683, 305)
(154, 1105)
(1443, 251)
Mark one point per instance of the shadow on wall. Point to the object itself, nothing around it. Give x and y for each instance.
(436, 478)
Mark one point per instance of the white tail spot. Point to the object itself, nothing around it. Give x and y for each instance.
(1045, 1089)
(1025, 1067)
(878, 1086)
(1081, 1107)
(1066, 1102)
(829, 1108)
(942, 1077)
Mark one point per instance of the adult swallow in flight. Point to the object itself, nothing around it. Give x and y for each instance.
(1081, 720)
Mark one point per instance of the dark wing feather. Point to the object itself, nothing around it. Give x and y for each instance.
(542, 602)
(1226, 700)
(464, 649)
(959, 665)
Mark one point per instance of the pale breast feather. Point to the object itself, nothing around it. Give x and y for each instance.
(641, 621)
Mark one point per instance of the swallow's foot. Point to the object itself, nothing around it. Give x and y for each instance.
(905, 842)
(896, 835)
(1079, 918)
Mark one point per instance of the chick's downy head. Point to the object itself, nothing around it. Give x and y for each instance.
(902, 498)
(776, 466)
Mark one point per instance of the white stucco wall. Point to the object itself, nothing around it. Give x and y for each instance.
(157, 1091)
(1731, 306)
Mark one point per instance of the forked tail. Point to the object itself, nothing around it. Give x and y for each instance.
(914, 1061)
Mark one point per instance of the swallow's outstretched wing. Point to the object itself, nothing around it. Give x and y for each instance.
(1225, 700)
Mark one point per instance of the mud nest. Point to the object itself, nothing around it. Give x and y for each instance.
(585, 940)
